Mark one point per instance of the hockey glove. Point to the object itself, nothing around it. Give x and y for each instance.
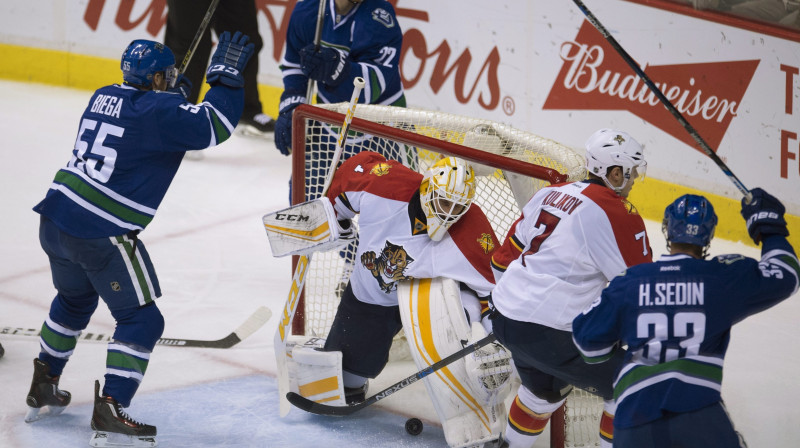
(347, 231)
(182, 86)
(290, 99)
(764, 215)
(229, 60)
(490, 367)
(328, 65)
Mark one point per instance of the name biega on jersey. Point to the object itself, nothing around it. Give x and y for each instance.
(671, 293)
(107, 105)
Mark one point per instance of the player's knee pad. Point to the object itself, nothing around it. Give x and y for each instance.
(540, 406)
(142, 326)
(73, 313)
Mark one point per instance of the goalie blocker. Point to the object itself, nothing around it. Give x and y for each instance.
(306, 228)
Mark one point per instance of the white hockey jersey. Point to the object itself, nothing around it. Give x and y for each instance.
(393, 241)
(570, 241)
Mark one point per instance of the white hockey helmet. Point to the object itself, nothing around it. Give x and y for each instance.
(446, 193)
(607, 148)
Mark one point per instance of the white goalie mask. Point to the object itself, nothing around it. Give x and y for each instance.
(607, 148)
(446, 193)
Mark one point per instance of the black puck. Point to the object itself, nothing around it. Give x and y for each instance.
(414, 426)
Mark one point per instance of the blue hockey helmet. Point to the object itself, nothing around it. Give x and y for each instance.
(143, 59)
(690, 219)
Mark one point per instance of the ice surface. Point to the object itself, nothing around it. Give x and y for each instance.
(215, 268)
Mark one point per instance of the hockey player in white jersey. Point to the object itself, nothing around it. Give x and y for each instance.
(415, 227)
(569, 242)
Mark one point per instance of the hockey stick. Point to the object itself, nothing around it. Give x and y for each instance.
(196, 41)
(299, 277)
(670, 107)
(325, 409)
(317, 40)
(253, 323)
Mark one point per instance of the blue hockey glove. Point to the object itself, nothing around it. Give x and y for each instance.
(328, 66)
(290, 99)
(182, 86)
(229, 60)
(764, 215)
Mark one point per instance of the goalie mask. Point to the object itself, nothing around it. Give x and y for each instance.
(690, 220)
(143, 59)
(608, 148)
(446, 193)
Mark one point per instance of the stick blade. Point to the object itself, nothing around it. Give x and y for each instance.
(313, 407)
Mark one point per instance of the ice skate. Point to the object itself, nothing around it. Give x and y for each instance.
(259, 125)
(45, 394)
(115, 428)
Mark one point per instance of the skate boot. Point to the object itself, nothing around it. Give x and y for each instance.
(115, 428)
(355, 395)
(45, 393)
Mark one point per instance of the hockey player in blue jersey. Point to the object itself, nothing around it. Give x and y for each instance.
(359, 38)
(675, 315)
(131, 140)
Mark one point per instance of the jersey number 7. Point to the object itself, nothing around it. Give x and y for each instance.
(548, 221)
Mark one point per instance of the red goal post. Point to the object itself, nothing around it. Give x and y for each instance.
(510, 166)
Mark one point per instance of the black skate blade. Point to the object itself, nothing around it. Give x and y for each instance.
(102, 439)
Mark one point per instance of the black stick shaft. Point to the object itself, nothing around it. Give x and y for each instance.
(657, 92)
(324, 409)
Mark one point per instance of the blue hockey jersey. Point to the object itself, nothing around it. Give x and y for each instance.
(129, 146)
(675, 316)
(371, 37)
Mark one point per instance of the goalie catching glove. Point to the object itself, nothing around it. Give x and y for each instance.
(306, 228)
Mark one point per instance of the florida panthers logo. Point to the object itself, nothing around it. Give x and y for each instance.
(389, 267)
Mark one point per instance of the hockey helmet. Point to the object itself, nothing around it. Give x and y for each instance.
(143, 59)
(446, 193)
(607, 148)
(690, 219)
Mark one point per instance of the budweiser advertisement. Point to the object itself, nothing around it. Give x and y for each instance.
(540, 66)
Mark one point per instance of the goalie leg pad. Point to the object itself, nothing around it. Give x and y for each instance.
(316, 374)
(435, 326)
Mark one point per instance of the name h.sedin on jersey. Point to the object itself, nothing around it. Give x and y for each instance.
(671, 293)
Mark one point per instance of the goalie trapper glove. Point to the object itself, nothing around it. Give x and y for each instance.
(290, 99)
(764, 215)
(326, 65)
(229, 60)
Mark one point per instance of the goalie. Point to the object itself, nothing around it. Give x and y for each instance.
(418, 227)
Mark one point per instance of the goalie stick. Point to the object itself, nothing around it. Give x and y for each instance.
(660, 95)
(325, 409)
(301, 269)
(253, 323)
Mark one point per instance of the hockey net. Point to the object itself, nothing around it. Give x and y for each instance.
(510, 166)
